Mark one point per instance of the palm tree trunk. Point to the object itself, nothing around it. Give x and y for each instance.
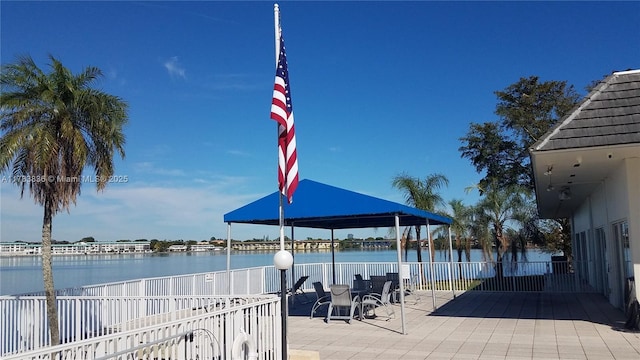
(432, 250)
(405, 236)
(467, 249)
(47, 273)
(500, 250)
(419, 249)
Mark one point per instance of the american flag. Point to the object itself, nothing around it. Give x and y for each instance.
(282, 112)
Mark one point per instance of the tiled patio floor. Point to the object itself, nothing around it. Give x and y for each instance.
(475, 325)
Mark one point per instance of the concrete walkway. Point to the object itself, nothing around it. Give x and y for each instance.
(474, 325)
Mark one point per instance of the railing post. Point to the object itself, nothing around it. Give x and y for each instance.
(264, 279)
(231, 282)
(78, 320)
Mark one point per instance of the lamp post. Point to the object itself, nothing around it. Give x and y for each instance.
(283, 261)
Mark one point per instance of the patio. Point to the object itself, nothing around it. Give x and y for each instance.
(475, 325)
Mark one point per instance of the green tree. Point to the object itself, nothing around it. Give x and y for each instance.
(497, 207)
(54, 126)
(460, 228)
(526, 109)
(423, 195)
(529, 228)
(480, 232)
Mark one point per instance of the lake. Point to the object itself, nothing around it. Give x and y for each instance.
(23, 274)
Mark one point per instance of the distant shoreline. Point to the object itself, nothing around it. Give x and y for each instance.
(224, 250)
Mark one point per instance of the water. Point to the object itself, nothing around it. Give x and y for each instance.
(23, 274)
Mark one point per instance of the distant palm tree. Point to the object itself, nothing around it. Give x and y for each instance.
(498, 206)
(423, 195)
(461, 216)
(54, 125)
(529, 230)
(481, 233)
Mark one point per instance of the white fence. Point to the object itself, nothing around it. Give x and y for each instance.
(99, 310)
(160, 327)
(457, 276)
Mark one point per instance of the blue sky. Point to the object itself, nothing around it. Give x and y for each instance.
(378, 89)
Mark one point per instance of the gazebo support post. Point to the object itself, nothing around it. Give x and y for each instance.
(229, 258)
(333, 259)
(401, 283)
(293, 256)
(431, 269)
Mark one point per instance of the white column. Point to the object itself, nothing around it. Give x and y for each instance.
(401, 283)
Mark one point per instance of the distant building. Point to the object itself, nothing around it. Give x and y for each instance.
(205, 246)
(101, 247)
(300, 245)
(175, 248)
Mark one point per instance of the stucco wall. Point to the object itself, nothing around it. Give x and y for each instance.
(612, 202)
(633, 181)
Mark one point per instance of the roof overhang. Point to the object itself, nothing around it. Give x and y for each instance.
(564, 179)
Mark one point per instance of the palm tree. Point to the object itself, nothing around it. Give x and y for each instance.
(54, 125)
(423, 195)
(461, 216)
(498, 206)
(480, 231)
(530, 227)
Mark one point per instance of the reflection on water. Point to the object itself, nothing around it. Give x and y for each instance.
(24, 273)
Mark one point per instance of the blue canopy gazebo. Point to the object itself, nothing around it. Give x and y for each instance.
(322, 206)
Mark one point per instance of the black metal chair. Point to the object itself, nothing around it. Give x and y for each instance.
(361, 285)
(377, 283)
(322, 298)
(297, 289)
(394, 277)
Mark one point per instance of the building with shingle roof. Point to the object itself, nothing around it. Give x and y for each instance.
(587, 169)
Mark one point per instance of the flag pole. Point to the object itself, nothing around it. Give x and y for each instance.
(276, 18)
(283, 270)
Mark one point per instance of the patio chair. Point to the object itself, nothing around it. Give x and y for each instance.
(297, 289)
(377, 283)
(394, 277)
(361, 285)
(341, 303)
(323, 298)
(410, 283)
(372, 301)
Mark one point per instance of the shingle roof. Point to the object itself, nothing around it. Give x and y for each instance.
(609, 115)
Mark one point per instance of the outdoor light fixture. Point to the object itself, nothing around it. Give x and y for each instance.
(565, 193)
(548, 173)
(283, 260)
(578, 161)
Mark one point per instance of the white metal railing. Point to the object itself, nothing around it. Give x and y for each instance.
(205, 328)
(92, 310)
(266, 279)
(456, 276)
